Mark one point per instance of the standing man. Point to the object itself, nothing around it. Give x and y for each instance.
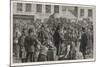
(83, 44)
(57, 39)
(41, 34)
(22, 45)
(16, 47)
(30, 43)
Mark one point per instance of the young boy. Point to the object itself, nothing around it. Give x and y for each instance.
(79, 54)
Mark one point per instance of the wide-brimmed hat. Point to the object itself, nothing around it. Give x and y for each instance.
(30, 30)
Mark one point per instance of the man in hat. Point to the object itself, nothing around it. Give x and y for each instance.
(21, 44)
(41, 34)
(30, 43)
(83, 42)
(57, 39)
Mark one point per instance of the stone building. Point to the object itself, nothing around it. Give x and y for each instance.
(29, 12)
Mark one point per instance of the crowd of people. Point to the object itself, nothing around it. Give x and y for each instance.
(55, 39)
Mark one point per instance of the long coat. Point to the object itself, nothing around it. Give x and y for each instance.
(30, 43)
(57, 40)
(84, 42)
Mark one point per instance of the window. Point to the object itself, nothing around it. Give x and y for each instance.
(19, 7)
(90, 13)
(63, 8)
(39, 7)
(76, 11)
(28, 7)
(56, 8)
(81, 12)
(48, 8)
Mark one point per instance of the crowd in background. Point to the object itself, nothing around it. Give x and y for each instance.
(55, 39)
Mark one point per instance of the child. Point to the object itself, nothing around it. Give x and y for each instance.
(79, 54)
(37, 50)
(72, 51)
(23, 54)
(51, 54)
(43, 52)
(64, 51)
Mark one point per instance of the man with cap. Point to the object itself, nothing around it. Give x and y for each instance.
(30, 43)
(21, 44)
(83, 42)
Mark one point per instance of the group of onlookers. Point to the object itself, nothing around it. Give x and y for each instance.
(57, 39)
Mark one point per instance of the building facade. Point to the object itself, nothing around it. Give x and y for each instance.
(29, 12)
(86, 12)
(40, 11)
